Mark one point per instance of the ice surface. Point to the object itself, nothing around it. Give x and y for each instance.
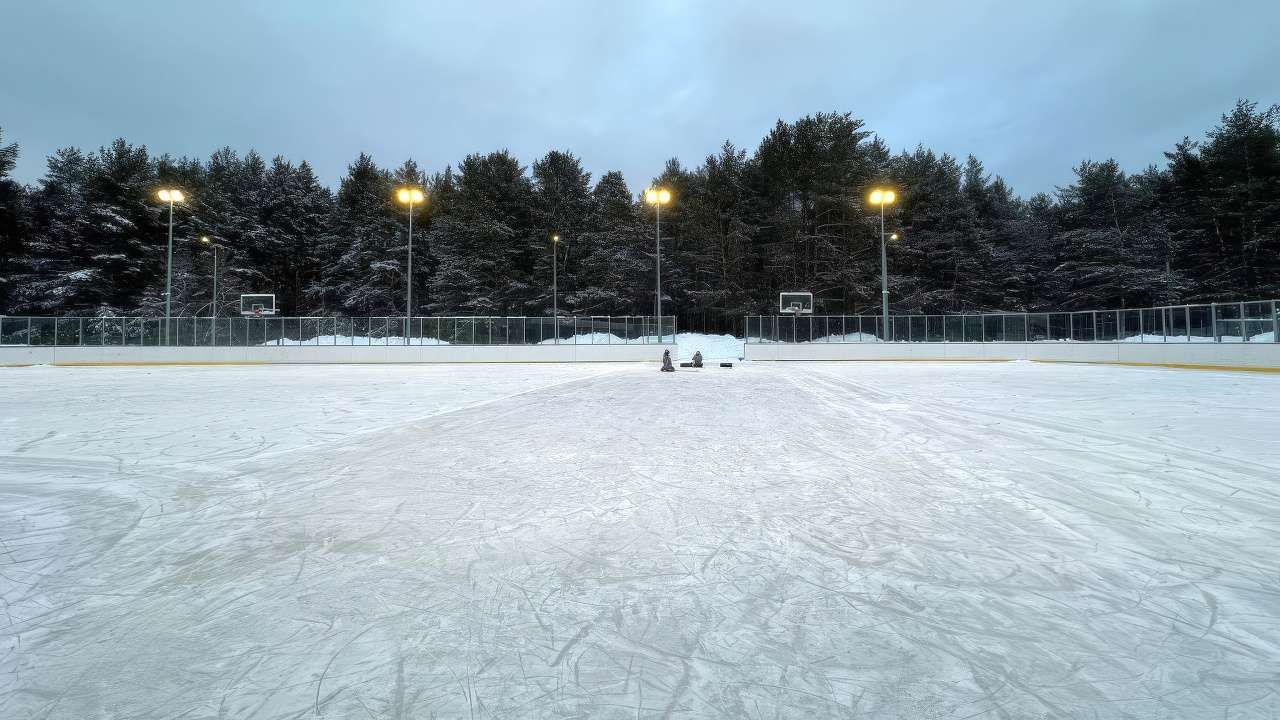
(911, 540)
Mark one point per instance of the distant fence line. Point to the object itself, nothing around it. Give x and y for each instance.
(1250, 321)
(238, 331)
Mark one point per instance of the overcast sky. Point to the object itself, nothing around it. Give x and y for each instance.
(1029, 87)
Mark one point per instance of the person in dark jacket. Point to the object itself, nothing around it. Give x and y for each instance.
(697, 359)
(666, 361)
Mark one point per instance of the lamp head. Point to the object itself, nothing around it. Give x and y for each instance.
(410, 195)
(651, 196)
(171, 196)
(555, 238)
(889, 197)
(664, 196)
(204, 239)
(877, 197)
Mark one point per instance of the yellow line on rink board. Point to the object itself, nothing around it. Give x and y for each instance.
(72, 363)
(1175, 366)
(345, 362)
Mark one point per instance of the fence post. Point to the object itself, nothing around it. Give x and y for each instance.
(1275, 324)
(1186, 314)
(1213, 321)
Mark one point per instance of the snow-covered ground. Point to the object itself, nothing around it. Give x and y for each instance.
(914, 540)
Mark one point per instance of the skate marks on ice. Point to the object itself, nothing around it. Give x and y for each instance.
(747, 544)
(1115, 571)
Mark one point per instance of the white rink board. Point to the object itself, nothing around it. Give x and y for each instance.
(331, 354)
(882, 540)
(1248, 355)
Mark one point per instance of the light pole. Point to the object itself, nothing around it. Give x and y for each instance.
(171, 196)
(882, 198)
(555, 305)
(213, 301)
(658, 197)
(409, 196)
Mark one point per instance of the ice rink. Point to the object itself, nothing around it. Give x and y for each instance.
(882, 540)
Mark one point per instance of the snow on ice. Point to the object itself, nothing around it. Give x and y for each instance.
(914, 540)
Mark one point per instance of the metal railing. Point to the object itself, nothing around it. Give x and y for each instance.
(1252, 321)
(333, 331)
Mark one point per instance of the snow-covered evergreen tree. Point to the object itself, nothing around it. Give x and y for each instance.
(483, 264)
(13, 224)
(90, 237)
(615, 273)
(367, 277)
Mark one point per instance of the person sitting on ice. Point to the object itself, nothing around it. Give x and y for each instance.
(697, 359)
(666, 361)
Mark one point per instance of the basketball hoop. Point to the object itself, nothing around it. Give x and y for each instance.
(257, 305)
(795, 303)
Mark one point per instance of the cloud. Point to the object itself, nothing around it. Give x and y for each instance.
(1030, 88)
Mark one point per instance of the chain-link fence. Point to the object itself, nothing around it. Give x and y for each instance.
(1254, 322)
(335, 331)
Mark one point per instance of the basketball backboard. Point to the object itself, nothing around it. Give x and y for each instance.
(257, 305)
(795, 303)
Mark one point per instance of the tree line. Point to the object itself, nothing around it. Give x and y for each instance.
(90, 237)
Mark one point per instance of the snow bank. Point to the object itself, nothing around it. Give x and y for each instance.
(595, 338)
(853, 337)
(357, 340)
(713, 347)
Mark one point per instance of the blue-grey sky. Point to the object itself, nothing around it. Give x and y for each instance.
(1030, 87)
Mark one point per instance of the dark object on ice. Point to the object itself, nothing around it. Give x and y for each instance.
(697, 358)
(726, 364)
(688, 365)
(666, 361)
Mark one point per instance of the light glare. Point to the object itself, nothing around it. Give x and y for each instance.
(664, 196)
(164, 195)
(651, 196)
(876, 197)
(889, 197)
